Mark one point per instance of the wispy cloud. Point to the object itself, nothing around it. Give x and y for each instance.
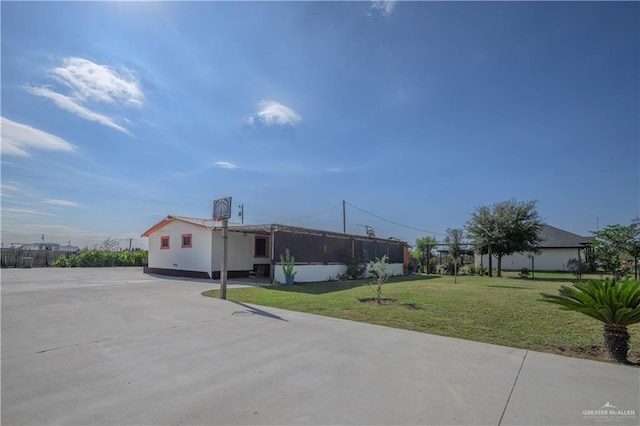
(19, 139)
(11, 210)
(88, 85)
(64, 203)
(225, 165)
(385, 7)
(272, 113)
(70, 104)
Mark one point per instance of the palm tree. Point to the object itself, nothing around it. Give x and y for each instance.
(615, 303)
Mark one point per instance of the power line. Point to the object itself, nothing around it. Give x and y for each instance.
(393, 222)
(317, 214)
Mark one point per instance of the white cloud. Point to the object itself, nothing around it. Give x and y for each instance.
(64, 203)
(18, 139)
(100, 83)
(272, 113)
(225, 165)
(89, 83)
(11, 210)
(70, 104)
(385, 7)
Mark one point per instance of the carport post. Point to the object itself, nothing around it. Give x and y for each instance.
(225, 249)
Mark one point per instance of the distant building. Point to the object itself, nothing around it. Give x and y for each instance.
(557, 246)
(48, 246)
(40, 246)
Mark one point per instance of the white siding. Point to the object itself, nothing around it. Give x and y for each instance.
(551, 259)
(240, 257)
(196, 258)
(316, 273)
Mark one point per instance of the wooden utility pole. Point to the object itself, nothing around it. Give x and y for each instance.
(344, 217)
(225, 249)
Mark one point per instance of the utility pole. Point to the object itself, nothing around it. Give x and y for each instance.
(344, 217)
(225, 248)
(130, 241)
(241, 213)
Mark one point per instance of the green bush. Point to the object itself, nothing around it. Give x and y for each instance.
(467, 270)
(577, 267)
(356, 268)
(482, 270)
(101, 258)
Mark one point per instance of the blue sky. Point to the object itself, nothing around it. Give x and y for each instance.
(116, 114)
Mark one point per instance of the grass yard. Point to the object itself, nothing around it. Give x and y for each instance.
(504, 311)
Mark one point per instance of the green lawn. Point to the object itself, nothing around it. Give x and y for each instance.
(504, 311)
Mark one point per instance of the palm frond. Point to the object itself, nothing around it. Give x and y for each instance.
(609, 301)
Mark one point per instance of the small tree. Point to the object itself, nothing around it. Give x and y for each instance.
(611, 245)
(379, 270)
(423, 252)
(634, 246)
(109, 244)
(577, 267)
(615, 303)
(505, 228)
(454, 240)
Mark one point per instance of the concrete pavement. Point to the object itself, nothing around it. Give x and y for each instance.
(114, 346)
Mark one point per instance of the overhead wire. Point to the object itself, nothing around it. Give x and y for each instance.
(391, 221)
(317, 214)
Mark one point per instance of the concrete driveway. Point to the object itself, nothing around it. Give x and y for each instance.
(115, 346)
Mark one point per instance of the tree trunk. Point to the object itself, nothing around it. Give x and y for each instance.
(499, 274)
(490, 265)
(616, 341)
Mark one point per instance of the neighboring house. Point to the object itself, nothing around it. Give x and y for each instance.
(186, 246)
(40, 246)
(555, 249)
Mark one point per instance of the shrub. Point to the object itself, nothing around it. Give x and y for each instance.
(356, 268)
(468, 270)
(101, 258)
(615, 303)
(577, 267)
(524, 273)
(482, 270)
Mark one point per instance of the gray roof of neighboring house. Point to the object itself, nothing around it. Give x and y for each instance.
(556, 237)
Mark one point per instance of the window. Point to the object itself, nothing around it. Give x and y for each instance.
(186, 240)
(261, 245)
(164, 243)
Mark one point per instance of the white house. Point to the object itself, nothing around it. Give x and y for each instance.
(555, 249)
(186, 246)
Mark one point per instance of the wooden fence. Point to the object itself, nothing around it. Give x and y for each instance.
(19, 258)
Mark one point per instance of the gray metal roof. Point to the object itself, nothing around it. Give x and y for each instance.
(556, 237)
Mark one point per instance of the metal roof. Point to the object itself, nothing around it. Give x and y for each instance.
(257, 229)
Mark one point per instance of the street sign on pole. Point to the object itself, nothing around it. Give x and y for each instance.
(222, 211)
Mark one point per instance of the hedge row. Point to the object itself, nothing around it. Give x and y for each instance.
(101, 258)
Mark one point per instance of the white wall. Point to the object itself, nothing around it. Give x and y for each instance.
(196, 258)
(316, 273)
(552, 259)
(240, 257)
